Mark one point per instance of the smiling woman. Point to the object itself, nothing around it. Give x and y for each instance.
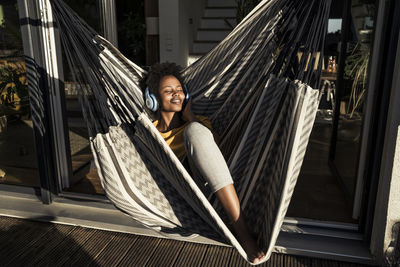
(189, 136)
(171, 93)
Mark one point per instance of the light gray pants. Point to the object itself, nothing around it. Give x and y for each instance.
(205, 157)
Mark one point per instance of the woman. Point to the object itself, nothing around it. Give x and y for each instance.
(188, 135)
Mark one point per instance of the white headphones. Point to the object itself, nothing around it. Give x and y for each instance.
(152, 103)
(151, 100)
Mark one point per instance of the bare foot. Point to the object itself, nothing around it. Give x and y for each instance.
(254, 253)
(249, 244)
(229, 200)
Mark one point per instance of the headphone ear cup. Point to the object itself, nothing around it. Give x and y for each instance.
(151, 100)
(186, 92)
(154, 106)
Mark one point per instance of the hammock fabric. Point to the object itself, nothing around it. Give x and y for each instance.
(256, 87)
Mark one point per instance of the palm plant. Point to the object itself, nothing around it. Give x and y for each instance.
(356, 68)
(356, 64)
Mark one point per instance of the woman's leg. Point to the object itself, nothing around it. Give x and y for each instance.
(204, 154)
(230, 202)
(209, 161)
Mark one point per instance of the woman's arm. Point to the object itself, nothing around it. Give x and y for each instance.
(187, 113)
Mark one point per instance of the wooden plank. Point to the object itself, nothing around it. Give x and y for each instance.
(27, 243)
(7, 222)
(216, 256)
(115, 250)
(47, 243)
(14, 227)
(272, 261)
(292, 261)
(299, 261)
(66, 248)
(91, 249)
(10, 227)
(237, 260)
(140, 252)
(329, 263)
(22, 239)
(191, 255)
(166, 253)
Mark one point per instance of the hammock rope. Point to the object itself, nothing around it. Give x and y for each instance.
(256, 86)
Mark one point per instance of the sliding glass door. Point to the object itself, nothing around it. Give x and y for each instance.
(351, 98)
(121, 22)
(327, 183)
(18, 157)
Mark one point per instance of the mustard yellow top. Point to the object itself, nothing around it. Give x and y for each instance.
(175, 139)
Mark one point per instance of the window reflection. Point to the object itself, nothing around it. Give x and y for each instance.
(84, 176)
(326, 185)
(131, 41)
(352, 97)
(18, 162)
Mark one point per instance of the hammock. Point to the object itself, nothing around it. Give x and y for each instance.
(256, 87)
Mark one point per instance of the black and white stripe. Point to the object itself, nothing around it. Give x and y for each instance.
(248, 87)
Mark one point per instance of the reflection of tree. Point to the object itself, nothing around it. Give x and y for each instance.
(132, 30)
(10, 34)
(356, 67)
(89, 10)
(13, 89)
(356, 64)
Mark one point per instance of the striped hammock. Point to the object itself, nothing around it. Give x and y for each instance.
(256, 87)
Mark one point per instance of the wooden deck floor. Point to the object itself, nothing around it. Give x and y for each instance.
(29, 243)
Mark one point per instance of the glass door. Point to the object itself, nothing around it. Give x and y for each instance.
(130, 29)
(349, 112)
(18, 157)
(83, 178)
(326, 185)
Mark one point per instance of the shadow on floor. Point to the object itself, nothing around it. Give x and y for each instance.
(35, 243)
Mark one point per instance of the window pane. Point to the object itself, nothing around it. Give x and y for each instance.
(326, 185)
(131, 42)
(18, 161)
(131, 30)
(81, 156)
(353, 95)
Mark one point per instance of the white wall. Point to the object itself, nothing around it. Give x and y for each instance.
(387, 209)
(184, 32)
(168, 11)
(394, 197)
(176, 32)
(196, 11)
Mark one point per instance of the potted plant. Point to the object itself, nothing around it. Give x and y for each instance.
(14, 100)
(356, 68)
(356, 64)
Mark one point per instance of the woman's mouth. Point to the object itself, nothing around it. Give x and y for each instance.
(176, 101)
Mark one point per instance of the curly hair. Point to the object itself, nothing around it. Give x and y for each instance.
(157, 72)
(154, 76)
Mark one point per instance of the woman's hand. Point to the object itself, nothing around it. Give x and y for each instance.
(187, 113)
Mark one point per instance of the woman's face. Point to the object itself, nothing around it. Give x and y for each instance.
(171, 94)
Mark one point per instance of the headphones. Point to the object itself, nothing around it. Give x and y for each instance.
(152, 103)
